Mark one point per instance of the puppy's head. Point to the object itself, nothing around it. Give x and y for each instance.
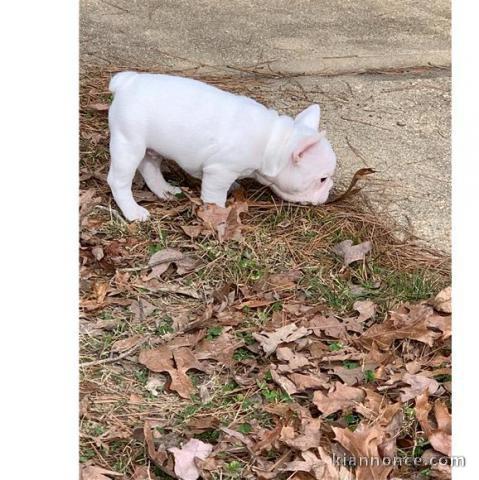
(307, 176)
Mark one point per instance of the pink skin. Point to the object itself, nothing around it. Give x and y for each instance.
(307, 178)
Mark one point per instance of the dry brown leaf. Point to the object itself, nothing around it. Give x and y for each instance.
(125, 344)
(269, 341)
(350, 376)
(287, 385)
(220, 349)
(225, 222)
(159, 457)
(200, 424)
(439, 435)
(332, 470)
(419, 384)
(295, 360)
(304, 381)
(267, 439)
(308, 437)
(87, 202)
(352, 253)
(331, 326)
(411, 323)
(163, 359)
(442, 323)
(97, 252)
(192, 231)
(439, 471)
(91, 472)
(442, 301)
(364, 443)
(278, 281)
(353, 325)
(185, 467)
(310, 464)
(339, 397)
(161, 260)
(391, 421)
(238, 436)
(366, 309)
(371, 407)
(141, 310)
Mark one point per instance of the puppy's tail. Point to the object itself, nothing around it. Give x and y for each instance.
(120, 80)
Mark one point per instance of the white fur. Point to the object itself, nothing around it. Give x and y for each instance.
(213, 135)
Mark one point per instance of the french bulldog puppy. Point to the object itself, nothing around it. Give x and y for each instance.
(213, 135)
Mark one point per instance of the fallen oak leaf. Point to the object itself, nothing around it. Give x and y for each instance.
(440, 435)
(310, 464)
(352, 253)
(305, 382)
(339, 397)
(364, 443)
(309, 436)
(162, 359)
(442, 301)
(365, 308)
(92, 472)
(88, 201)
(278, 281)
(126, 344)
(225, 222)
(412, 323)
(185, 467)
(238, 436)
(141, 310)
(330, 325)
(269, 341)
(391, 422)
(161, 260)
(350, 376)
(295, 360)
(287, 385)
(418, 384)
(192, 231)
(220, 349)
(159, 457)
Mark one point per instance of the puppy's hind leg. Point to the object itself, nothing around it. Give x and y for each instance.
(151, 172)
(125, 159)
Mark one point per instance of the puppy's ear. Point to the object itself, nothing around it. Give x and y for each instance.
(309, 117)
(303, 146)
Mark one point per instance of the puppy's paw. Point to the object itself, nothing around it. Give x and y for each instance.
(138, 213)
(167, 192)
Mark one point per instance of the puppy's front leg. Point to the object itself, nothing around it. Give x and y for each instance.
(215, 184)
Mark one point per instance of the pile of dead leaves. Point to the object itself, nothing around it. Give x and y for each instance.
(336, 389)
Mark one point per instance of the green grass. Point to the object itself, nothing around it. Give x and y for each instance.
(387, 288)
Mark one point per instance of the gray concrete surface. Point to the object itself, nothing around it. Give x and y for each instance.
(397, 123)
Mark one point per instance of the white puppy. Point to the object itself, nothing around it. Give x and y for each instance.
(213, 135)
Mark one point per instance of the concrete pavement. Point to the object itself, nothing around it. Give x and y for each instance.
(396, 122)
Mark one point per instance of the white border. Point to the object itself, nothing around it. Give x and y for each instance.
(38, 354)
(39, 176)
(465, 237)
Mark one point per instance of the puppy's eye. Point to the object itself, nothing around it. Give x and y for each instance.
(324, 179)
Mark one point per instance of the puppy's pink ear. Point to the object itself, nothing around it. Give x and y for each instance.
(304, 145)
